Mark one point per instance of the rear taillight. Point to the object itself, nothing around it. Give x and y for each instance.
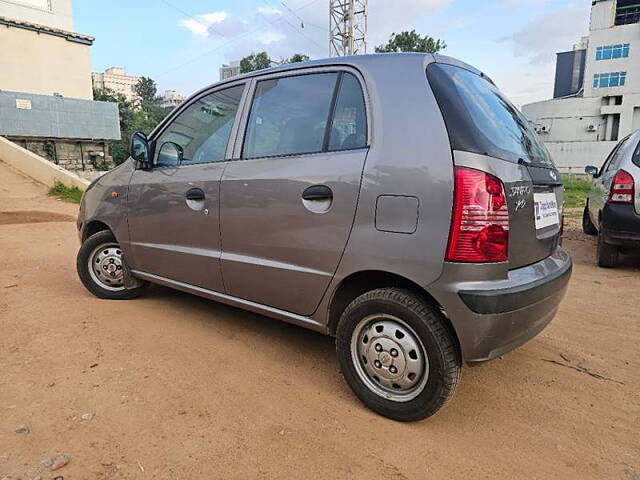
(622, 188)
(480, 224)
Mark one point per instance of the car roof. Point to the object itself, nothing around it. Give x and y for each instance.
(356, 61)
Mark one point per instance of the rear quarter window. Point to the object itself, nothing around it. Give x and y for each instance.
(636, 156)
(481, 119)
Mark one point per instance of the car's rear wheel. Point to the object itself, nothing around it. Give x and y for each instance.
(101, 268)
(587, 225)
(398, 354)
(607, 255)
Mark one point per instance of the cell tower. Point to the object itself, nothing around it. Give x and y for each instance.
(347, 27)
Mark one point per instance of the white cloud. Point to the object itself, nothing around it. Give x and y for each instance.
(269, 11)
(270, 36)
(550, 33)
(202, 25)
(517, 4)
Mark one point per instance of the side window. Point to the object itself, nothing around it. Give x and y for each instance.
(289, 115)
(636, 156)
(617, 156)
(607, 162)
(349, 125)
(200, 133)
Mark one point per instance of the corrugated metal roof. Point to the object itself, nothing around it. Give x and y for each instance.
(36, 27)
(31, 115)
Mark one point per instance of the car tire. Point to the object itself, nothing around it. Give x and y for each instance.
(384, 338)
(587, 225)
(606, 254)
(100, 266)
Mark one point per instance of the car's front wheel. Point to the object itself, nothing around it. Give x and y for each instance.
(101, 266)
(397, 354)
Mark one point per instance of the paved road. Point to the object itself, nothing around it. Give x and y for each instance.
(180, 387)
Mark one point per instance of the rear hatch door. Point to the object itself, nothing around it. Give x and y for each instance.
(488, 132)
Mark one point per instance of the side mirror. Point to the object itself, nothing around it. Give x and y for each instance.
(170, 153)
(591, 170)
(140, 149)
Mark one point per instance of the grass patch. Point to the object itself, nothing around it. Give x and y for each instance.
(64, 193)
(575, 191)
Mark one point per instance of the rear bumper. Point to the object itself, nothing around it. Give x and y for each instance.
(621, 224)
(494, 317)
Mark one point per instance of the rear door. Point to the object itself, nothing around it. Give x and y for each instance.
(482, 121)
(288, 202)
(174, 206)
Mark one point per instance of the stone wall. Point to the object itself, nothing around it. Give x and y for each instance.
(73, 155)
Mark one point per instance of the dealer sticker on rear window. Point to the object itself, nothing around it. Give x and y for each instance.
(546, 210)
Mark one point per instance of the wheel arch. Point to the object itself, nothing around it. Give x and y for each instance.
(93, 227)
(361, 282)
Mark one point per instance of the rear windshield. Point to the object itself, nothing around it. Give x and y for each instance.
(481, 119)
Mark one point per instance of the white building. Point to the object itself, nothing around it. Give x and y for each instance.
(115, 78)
(231, 70)
(171, 99)
(597, 89)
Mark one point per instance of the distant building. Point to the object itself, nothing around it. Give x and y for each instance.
(46, 97)
(171, 99)
(597, 89)
(114, 78)
(231, 70)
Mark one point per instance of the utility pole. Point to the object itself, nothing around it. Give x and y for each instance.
(347, 27)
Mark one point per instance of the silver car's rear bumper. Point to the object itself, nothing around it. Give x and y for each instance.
(494, 317)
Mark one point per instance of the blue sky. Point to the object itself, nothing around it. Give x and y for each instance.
(181, 43)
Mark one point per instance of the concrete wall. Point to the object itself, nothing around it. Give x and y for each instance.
(36, 167)
(44, 64)
(51, 13)
(567, 119)
(572, 157)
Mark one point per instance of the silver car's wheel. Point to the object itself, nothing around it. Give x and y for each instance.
(105, 266)
(398, 354)
(389, 357)
(101, 267)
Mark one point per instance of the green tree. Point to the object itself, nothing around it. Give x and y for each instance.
(140, 115)
(255, 61)
(296, 58)
(146, 89)
(411, 42)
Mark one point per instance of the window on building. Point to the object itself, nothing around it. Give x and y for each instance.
(609, 52)
(627, 12)
(605, 80)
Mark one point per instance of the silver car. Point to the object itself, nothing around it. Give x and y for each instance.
(613, 205)
(398, 202)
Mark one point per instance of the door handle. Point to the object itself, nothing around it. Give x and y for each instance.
(317, 192)
(195, 194)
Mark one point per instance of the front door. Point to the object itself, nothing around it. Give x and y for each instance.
(174, 206)
(288, 205)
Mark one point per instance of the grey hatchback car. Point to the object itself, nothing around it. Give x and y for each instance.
(398, 202)
(612, 211)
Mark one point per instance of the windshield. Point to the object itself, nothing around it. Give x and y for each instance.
(482, 120)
